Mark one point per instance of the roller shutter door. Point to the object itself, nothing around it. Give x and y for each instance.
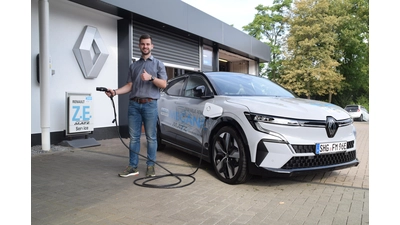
(168, 47)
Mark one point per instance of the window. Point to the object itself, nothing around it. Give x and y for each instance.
(175, 87)
(193, 82)
(207, 59)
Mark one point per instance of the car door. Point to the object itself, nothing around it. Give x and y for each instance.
(167, 108)
(181, 112)
(189, 110)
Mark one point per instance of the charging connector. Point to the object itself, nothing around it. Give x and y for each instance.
(101, 89)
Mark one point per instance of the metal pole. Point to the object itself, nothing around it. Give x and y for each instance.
(45, 66)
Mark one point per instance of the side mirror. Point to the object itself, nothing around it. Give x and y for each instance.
(200, 92)
(211, 110)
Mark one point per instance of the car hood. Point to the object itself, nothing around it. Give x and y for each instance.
(296, 108)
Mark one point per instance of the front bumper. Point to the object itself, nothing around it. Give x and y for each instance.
(286, 159)
(351, 163)
(262, 171)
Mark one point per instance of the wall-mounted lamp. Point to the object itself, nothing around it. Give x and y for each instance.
(223, 60)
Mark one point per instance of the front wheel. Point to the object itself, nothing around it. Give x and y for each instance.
(228, 156)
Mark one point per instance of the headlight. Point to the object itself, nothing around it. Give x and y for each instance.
(275, 120)
(256, 121)
(260, 122)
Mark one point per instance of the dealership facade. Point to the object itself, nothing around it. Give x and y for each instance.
(92, 43)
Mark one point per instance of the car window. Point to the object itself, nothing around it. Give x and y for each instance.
(194, 81)
(175, 87)
(351, 108)
(364, 109)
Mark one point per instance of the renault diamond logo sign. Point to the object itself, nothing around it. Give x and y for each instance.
(331, 126)
(90, 52)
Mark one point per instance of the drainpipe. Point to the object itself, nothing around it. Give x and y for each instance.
(44, 59)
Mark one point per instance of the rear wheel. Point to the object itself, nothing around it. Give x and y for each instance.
(361, 118)
(228, 156)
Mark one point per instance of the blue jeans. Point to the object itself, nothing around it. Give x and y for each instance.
(148, 114)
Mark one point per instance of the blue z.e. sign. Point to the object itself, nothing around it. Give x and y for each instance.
(80, 116)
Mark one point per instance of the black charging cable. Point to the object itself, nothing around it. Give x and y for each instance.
(148, 180)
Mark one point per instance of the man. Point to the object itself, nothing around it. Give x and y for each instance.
(146, 76)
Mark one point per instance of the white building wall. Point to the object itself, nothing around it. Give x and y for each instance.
(240, 66)
(67, 20)
(253, 67)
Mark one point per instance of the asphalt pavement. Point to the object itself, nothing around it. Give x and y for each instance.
(81, 186)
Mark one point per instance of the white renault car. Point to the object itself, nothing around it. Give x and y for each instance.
(357, 112)
(247, 125)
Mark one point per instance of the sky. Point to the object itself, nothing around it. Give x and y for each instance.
(236, 12)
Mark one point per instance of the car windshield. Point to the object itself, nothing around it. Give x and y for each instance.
(237, 84)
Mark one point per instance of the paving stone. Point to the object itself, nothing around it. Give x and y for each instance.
(81, 186)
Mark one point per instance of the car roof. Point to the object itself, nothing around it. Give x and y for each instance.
(226, 73)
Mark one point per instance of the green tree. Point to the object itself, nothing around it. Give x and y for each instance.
(352, 51)
(270, 24)
(310, 67)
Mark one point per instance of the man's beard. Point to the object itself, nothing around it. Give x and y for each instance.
(144, 53)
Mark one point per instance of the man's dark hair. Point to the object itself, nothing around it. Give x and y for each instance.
(145, 36)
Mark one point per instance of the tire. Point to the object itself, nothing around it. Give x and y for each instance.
(228, 156)
(361, 118)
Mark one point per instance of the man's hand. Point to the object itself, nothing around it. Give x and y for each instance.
(110, 92)
(145, 75)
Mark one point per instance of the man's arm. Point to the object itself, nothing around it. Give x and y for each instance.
(120, 91)
(160, 82)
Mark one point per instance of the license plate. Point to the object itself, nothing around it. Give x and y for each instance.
(330, 147)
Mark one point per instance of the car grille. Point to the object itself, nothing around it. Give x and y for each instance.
(319, 160)
(311, 148)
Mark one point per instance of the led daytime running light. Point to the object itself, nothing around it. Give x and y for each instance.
(269, 119)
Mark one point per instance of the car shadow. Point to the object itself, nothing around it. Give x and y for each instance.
(310, 177)
(177, 157)
(184, 159)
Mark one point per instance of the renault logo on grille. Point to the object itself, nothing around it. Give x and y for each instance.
(331, 126)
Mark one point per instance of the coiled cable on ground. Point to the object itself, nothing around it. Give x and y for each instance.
(146, 181)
